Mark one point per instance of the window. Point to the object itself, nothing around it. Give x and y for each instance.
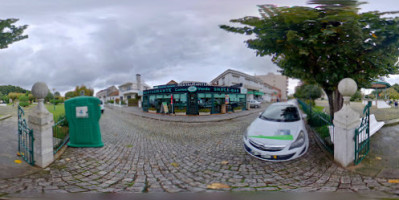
(281, 113)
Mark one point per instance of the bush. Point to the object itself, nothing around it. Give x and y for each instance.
(153, 109)
(117, 101)
(24, 103)
(180, 110)
(133, 102)
(204, 110)
(110, 101)
(238, 108)
(23, 100)
(57, 101)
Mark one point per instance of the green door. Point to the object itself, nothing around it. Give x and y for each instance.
(192, 104)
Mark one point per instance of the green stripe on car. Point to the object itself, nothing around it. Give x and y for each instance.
(274, 137)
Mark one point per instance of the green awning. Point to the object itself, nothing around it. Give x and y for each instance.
(259, 93)
(250, 92)
(380, 84)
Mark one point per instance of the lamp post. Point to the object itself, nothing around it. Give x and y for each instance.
(54, 98)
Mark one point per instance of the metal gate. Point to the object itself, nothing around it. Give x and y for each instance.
(362, 136)
(25, 138)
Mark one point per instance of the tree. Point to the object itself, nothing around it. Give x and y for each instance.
(9, 33)
(49, 96)
(357, 96)
(6, 89)
(325, 44)
(87, 91)
(308, 91)
(396, 87)
(391, 94)
(69, 94)
(57, 94)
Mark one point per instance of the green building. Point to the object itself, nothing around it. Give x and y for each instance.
(193, 98)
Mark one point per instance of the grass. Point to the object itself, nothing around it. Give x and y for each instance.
(318, 108)
(58, 112)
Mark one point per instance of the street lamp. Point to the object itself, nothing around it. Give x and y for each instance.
(54, 98)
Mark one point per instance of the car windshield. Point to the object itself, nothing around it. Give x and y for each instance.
(281, 113)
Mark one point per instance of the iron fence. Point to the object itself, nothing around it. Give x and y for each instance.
(362, 136)
(60, 134)
(321, 123)
(25, 139)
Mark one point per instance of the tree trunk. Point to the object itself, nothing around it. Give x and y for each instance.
(335, 101)
(330, 103)
(338, 101)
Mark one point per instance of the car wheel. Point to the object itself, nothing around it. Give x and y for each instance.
(102, 111)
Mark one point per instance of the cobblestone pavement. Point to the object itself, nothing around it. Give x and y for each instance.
(145, 155)
(190, 118)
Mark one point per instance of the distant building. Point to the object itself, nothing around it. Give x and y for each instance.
(277, 81)
(250, 85)
(106, 93)
(131, 89)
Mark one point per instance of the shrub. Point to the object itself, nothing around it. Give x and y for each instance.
(238, 108)
(153, 109)
(133, 102)
(180, 110)
(117, 101)
(24, 103)
(111, 101)
(204, 110)
(23, 100)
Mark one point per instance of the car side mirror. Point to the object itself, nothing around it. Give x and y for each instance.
(304, 116)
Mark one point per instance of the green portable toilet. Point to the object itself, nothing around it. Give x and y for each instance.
(83, 114)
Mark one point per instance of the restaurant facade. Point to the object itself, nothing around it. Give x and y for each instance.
(193, 98)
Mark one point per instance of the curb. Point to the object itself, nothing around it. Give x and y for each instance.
(180, 121)
(5, 117)
(391, 122)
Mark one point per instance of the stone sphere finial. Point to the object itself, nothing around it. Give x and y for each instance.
(347, 87)
(40, 90)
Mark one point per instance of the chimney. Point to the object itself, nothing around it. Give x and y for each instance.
(138, 81)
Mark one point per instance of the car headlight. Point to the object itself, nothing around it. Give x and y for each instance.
(300, 140)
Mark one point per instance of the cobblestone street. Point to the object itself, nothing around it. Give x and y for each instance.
(146, 155)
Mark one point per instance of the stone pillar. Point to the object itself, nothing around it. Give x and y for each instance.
(346, 121)
(41, 121)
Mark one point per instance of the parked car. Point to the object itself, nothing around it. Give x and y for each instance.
(102, 107)
(254, 104)
(278, 134)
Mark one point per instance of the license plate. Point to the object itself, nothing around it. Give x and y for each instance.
(266, 156)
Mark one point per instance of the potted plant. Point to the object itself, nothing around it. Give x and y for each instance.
(180, 111)
(238, 109)
(152, 110)
(204, 111)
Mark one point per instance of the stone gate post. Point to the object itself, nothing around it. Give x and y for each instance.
(41, 121)
(346, 121)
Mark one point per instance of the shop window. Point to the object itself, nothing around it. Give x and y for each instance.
(205, 101)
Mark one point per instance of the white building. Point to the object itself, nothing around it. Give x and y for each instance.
(104, 95)
(129, 90)
(253, 87)
(277, 81)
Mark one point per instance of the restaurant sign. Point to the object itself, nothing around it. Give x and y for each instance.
(185, 89)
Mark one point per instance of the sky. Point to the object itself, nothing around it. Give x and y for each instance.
(100, 43)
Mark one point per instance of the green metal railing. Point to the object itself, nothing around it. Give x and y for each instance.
(60, 134)
(362, 136)
(25, 139)
(320, 123)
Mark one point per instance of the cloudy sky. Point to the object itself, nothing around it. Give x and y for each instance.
(100, 43)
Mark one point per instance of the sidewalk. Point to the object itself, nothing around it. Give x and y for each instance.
(187, 119)
(8, 151)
